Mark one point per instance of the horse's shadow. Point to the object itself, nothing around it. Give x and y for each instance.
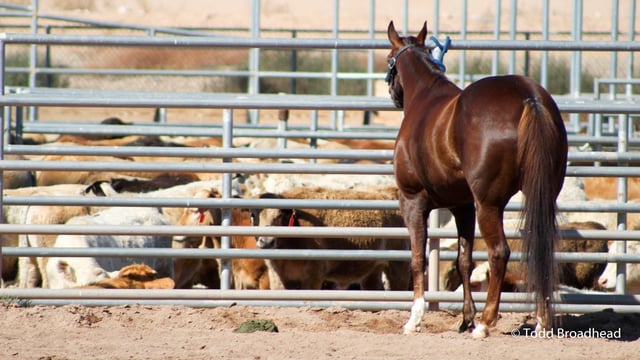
(605, 324)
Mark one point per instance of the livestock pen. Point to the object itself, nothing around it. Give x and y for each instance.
(617, 149)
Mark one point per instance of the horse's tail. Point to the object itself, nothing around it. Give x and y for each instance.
(542, 155)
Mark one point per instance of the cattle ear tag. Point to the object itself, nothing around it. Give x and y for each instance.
(201, 217)
(292, 219)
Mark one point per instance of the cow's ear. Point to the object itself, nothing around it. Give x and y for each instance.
(255, 217)
(288, 217)
(217, 216)
(66, 270)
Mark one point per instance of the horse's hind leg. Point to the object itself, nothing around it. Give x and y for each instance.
(490, 223)
(465, 224)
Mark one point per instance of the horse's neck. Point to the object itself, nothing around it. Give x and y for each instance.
(421, 82)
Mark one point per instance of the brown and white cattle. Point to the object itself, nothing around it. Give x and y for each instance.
(312, 274)
(134, 276)
(608, 279)
(67, 272)
(578, 275)
(31, 270)
(245, 273)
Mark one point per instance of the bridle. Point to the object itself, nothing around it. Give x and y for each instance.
(392, 71)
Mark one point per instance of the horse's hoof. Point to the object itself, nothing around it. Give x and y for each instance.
(480, 332)
(410, 329)
(541, 328)
(541, 325)
(465, 325)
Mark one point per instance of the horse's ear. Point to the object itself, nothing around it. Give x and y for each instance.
(422, 35)
(393, 36)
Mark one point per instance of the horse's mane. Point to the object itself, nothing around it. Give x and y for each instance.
(424, 55)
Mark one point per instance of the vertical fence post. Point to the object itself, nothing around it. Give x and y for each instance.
(283, 119)
(435, 24)
(294, 65)
(463, 54)
(513, 20)
(334, 60)
(225, 240)
(495, 62)
(33, 58)
(544, 56)
(614, 54)
(576, 60)
(622, 195)
(632, 37)
(527, 37)
(254, 60)
(47, 59)
(370, 58)
(433, 248)
(2, 136)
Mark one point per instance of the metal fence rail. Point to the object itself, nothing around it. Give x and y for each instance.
(369, 300)
(82, 98)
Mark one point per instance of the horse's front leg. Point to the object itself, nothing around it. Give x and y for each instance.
(415, 218)
(490, 223)
(465, 224)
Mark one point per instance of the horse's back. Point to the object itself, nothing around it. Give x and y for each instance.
(503, 97)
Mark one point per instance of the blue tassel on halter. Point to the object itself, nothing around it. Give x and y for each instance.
(442, 50)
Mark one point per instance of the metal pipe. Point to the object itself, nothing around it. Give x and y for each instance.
(332, 232)
(33, 56)
(463, 35)
(495, 62)
(77, 98)
(632, 36)
(225, 240)
(301, 295)
(283, 43)
(613, 68)
(544, 55)
(513, 21)
(365, 169)
(3, 135)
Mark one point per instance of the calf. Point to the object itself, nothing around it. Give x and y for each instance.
(66, 272)
(608, 279)
(30, 270)
(126, 185)
(579, 275)
(135, 276)
(305, 274)
(246, 273)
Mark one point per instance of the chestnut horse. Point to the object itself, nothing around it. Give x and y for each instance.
(470, 151)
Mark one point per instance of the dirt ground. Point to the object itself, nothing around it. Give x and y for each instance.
(173, 332)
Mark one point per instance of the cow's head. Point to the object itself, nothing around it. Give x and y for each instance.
(272, 217)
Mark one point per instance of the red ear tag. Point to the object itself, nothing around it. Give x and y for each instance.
(201, 218)
(292, 219)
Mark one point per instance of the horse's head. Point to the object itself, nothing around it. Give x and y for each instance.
(400, 45)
